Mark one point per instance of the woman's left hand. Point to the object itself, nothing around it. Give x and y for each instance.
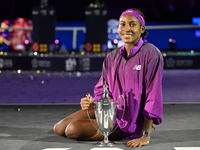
(143, 140)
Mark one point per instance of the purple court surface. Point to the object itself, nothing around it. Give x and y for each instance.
(31, 87)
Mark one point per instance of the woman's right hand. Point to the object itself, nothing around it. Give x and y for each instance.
(86, 102)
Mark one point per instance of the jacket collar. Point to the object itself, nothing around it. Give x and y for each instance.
(133, 50)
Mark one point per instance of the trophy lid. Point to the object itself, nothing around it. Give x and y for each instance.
(104, 97)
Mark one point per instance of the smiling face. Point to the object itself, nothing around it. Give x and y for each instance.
(130, 29)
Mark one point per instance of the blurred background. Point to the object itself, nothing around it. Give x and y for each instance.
(73, 14)
(48, 41)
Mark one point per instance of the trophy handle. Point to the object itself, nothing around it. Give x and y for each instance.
(122, 113)
(94, 107)
(91, 120)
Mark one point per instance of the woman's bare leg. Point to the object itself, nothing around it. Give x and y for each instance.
(78, 126)
(60, 127)
(83, 130)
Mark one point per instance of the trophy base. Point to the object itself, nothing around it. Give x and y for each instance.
(102, 143)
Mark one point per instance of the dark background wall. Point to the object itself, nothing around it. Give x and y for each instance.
(155, 10)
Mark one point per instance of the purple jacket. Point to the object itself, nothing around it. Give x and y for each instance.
(139, 79)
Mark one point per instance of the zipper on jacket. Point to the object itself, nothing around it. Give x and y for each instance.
(124, 79)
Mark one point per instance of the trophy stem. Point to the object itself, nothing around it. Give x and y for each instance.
(106, 141)
(106, 138)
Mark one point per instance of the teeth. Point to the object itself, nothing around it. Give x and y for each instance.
(127, 35)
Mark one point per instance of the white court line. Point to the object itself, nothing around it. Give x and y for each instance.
(187, 148)
(106, 148)
(4, 134)
(56, 149)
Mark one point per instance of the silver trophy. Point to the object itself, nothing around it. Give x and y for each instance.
(105, 112)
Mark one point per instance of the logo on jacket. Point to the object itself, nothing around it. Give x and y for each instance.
(137, 67)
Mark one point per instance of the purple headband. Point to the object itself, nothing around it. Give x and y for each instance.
(134, 13)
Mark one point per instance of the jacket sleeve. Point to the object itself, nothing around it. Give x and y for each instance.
(153, 107)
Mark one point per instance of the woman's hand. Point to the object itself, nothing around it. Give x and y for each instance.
(143, 140)
(86, 102)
